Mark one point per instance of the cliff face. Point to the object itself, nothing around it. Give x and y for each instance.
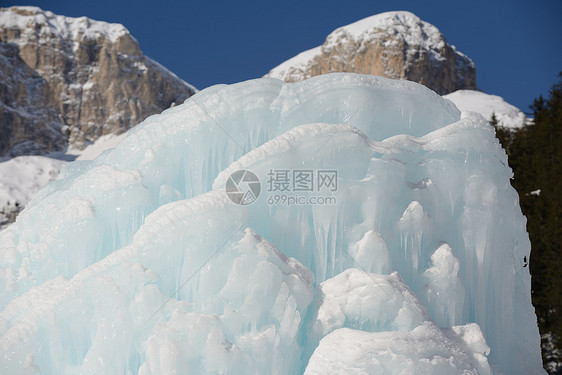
(67, 81)
(397, 45)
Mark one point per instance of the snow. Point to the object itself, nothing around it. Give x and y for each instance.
(138, 261)
(536, 192)
(95, 149)
(407, 25)
(22, 177)
(423, 350)
(390, 27)
(67, 27)
(295, 66)
(508, 115)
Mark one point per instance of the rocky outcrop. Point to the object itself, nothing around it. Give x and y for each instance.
(67, 81)
(397, 45)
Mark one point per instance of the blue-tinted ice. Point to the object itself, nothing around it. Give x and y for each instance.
(411, 260)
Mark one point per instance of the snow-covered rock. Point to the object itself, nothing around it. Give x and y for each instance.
(392, 44)
(20, 179)
(67, 81)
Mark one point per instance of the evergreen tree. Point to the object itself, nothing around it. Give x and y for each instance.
(503, 134)
(535, 155)
(494, 120)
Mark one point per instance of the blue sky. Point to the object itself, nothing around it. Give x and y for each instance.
(516, 45)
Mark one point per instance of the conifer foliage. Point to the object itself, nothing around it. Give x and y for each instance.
(535, 155)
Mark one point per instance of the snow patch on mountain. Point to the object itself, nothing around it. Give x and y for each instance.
(407, 26)
(296, 67)
(507, 115)
(70, 28)
(23, 176)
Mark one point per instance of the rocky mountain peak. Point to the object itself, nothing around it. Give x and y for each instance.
(397, 45)
(67, 81)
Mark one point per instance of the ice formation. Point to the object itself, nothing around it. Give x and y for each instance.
(412, 261)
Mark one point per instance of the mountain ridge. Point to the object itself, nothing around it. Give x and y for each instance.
(66, 86)
(68, 81)
(396, 45)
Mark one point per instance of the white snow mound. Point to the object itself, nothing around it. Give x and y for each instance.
(507, 115)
